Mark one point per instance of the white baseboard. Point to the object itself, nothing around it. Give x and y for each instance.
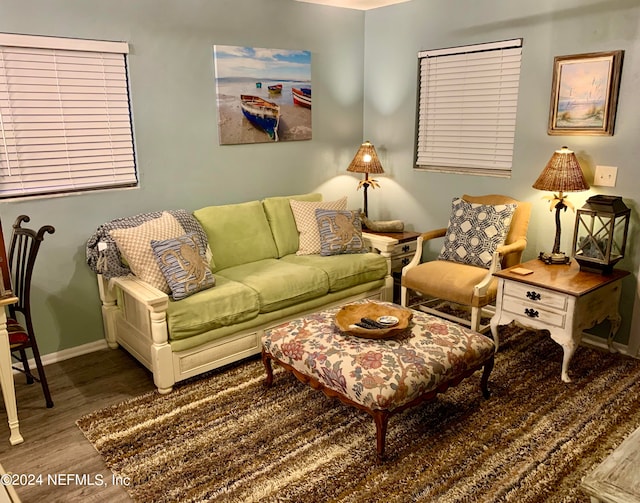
(616, 347)
(66, 354)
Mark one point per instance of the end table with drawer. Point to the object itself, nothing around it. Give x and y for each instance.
(400, 247)
(559, 298)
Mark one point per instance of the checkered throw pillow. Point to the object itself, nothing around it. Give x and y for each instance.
(134, 244)
(304, 213)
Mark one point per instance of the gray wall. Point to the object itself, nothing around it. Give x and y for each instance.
(364, 77)
(395, 35)
(180, 162)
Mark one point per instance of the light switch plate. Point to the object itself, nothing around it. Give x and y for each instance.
(605, 176)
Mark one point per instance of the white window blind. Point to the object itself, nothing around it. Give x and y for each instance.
(467, 104)
(65, 122)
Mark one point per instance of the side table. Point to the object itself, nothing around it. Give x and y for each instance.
(399, 247)
(6, 374)
(559, 298)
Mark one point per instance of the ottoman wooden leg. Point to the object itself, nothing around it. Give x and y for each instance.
(381, 417)
(484, 382)
(266, 360)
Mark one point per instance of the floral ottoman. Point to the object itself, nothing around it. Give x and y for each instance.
(379, 376)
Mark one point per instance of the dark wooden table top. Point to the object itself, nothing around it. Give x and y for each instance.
(564, 278)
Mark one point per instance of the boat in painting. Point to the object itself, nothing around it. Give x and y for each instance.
(302, 96)
(261, 113)
(275, 89)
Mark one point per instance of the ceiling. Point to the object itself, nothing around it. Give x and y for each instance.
(355, 4)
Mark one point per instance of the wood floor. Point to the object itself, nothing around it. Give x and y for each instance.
(53, 444)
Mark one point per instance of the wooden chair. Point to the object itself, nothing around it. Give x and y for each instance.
(24, 247)
(469, 286)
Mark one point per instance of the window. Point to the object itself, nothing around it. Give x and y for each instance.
(65, 122)
(467, 108)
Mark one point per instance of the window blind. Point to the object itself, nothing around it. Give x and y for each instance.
(65, 122)
(467, 104)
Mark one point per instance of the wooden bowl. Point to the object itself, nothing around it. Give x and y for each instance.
(353, 313)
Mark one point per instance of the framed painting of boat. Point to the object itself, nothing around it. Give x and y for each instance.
(262, 95)
(584, 93)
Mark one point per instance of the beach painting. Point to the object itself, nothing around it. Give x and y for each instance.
(263, 95)
(584, 93)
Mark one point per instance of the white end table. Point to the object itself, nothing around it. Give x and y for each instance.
(398, 248)
(559, 298)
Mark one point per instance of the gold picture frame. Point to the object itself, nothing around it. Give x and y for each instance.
(584, 93)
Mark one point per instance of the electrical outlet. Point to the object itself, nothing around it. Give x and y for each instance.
(605, 176)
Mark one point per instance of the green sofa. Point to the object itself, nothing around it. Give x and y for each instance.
(259, 282)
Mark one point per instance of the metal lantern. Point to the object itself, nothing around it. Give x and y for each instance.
(600, 234)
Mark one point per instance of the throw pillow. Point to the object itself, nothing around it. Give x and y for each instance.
(340, 232)
(307, 225)
(475, 231)
(183, 264)
(134, 244)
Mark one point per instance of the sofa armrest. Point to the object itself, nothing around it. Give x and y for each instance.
(135, 315)
(154, 299)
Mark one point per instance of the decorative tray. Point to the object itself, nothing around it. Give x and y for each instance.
(351, 314)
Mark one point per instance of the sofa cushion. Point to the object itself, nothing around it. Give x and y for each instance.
(134, 244)
(279, 284)
(340, 232)
(304, 213)
(283, 225)
(344, 271)
(183, 263)
(228, 303)
(237, 234)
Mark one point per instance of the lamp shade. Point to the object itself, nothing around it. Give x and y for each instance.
(562, 173)
(366, 160)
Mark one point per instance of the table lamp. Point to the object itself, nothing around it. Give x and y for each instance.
(366, 161)
(561, 174)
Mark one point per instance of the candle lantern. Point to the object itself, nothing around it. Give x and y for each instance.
(600, 233)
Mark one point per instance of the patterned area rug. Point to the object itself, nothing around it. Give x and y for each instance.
(225, 437)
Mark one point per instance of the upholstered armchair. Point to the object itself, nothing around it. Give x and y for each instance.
(475, 246)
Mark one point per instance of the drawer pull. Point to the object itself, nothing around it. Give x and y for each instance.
(531, 313)
(533, 295)
(405, 261)
(406, 248)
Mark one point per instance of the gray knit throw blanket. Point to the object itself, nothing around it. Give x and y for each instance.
(103, 256)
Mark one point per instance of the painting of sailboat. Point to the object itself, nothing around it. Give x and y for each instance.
(255, 97)
(584, 95)
(261, 113)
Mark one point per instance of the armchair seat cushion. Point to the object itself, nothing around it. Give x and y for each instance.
(455, 282)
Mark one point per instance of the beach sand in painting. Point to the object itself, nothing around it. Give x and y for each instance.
(234, 128)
